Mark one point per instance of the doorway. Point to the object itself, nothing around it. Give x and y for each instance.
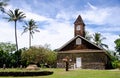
(78, 62)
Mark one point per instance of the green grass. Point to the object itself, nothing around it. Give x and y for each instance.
(78, 73)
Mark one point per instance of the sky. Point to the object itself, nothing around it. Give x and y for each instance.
(55, 19)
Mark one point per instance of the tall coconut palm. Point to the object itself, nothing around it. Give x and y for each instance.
(97, 39)
(30, 27)
(3, 3)
(15, 16)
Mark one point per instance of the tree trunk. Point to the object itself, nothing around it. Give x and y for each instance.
(29, 39)
(16, 35)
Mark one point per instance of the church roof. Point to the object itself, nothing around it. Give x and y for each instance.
(79, 20)
(78, 36)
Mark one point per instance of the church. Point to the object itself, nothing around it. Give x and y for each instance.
(82, 53)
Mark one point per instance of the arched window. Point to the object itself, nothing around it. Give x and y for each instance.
(78, 41)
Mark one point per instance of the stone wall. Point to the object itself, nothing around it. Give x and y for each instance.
(93, 66)
(89, 60)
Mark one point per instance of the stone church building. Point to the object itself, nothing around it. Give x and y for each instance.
(81, 52)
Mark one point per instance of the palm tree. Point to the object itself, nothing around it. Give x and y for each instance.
(3, 3)
(15, 16)
(32, 28)
(97, 39)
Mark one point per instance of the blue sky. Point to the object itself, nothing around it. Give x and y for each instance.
(56, 17)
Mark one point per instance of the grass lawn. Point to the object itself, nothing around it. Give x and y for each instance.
(77, 73)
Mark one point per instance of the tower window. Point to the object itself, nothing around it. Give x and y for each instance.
(78, 27)
(78, 41)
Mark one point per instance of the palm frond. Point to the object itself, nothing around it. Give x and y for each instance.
(3, 3)
(15, 15)
(97, 38)
(37, 30)
(104, 45)
(25, 30)
(31, 27)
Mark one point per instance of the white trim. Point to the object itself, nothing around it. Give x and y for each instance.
(78, 62)
(78, 41)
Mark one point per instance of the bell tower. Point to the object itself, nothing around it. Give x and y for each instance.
(79, 27)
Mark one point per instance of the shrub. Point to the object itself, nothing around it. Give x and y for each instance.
(116, 64)
(26, 73)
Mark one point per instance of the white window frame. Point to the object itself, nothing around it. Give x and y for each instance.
(78, 41)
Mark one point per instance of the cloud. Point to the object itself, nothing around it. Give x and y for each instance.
(91, 6)
(55, 34)
(59, 27)
(110, 38)
(111, 29)
(96, 16)
(101, 16)
(36, 17)
(6, 32)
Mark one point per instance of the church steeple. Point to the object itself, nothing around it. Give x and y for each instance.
(79, 27)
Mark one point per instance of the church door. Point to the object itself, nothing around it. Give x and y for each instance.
(78, 62)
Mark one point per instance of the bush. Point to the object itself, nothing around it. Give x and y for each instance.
(39, 55)
(30, 73)
(116, 64)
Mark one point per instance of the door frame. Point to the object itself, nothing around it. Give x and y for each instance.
(78, 62)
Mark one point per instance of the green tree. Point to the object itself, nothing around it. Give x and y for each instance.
(7, 47)
(3, 3)
(97, 39)
(15, 16)
(117, 42)
(6, 51)
(32, 55)
(39, 55)
(51, 57)
(32, 28)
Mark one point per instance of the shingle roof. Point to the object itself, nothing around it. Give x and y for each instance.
(79, 20)
(76, 38)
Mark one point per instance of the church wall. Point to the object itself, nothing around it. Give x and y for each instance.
(89, 60)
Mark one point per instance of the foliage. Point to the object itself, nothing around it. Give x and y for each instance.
(6, 50)
(39, 55)
(117, 42)
(32, 28)
(9, 56)
(97, 39)
(116, 64)
(3, 3)
(7, 47)
(112, 54)
(26, 73)
(15, 16)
